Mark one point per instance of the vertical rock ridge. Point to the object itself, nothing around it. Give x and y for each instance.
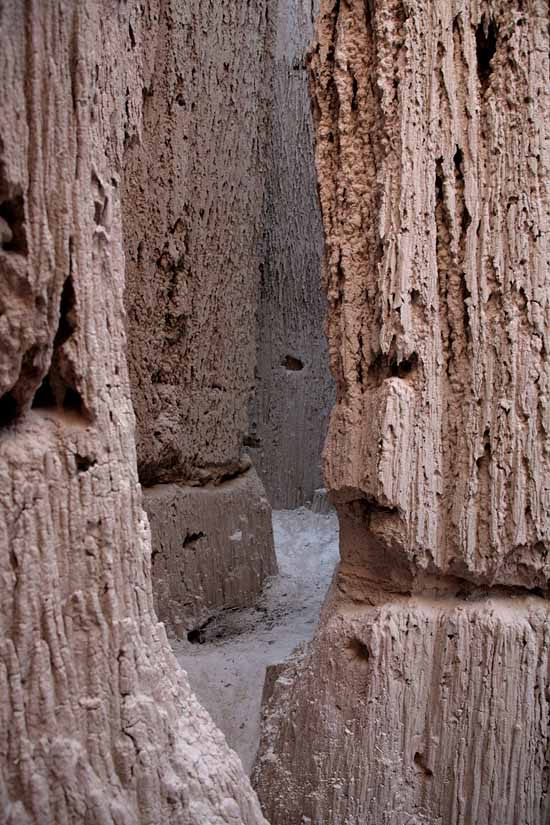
(294, 391)
(97, 723)
(424, 696)
(192, 198)
(427, 288)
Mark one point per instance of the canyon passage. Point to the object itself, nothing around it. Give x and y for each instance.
(274, 412)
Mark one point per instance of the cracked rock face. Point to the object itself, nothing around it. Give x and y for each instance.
(97, 723)
(424, 697)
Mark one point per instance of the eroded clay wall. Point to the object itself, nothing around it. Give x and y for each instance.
(97, 722)
(193, 192)
(424, 698)
(294, 389)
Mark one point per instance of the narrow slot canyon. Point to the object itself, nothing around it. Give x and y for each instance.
(274, 412)
(235, 658)
(230, 427)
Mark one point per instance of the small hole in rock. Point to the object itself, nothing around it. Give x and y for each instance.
(400, 369)
(292, 363)
(67, 319)
(486, 42)
(44, 398)
(8, 409)
(421, 764)
(195, 636)
(12, 213)
(355, 89)
(251, 440)
(84, 462)
(73, 401)
(358, 649)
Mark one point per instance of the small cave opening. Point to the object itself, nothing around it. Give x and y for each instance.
(486, 46)
(8, 409)
(358, 650)
(44, 398)
(292, 363)
(420, 763)
(196, 636)
(13, 237)
(58, 388)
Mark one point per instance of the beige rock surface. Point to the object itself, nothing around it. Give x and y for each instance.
(424, 697)
(97, 723)
(193, 194)
(213, 548)
(414, 711)
(433, 165)
(294, 388)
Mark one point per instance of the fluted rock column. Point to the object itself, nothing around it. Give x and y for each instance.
(294, 388)
(97, 722)
(425, 696)
(191, 205)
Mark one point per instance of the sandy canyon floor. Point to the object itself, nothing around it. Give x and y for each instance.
(227, 662)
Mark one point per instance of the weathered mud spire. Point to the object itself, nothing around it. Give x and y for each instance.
(97, 723)
(425, 696)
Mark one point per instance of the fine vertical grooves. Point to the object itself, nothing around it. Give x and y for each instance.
(439, 472)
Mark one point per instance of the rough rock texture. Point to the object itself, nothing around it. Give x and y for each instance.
(414, 711)
(192, 199)
(294, 388)
(193, 195)
(97, 723)
(209, 548)
(424, 698)
(433, 160)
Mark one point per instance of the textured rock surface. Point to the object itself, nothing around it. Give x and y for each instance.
(424, 698)
(213, 548)
(414, 711)
(433, 166)
(192, 210)
(294, 388)
(97, 723)
(192, 199)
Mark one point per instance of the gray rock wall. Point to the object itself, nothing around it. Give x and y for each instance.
(97, 722)
(294, 388)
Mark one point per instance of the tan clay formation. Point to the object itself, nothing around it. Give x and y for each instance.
(425, 697)
(192, 201)
(137, 128)
(223, 532)
(97, 722)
